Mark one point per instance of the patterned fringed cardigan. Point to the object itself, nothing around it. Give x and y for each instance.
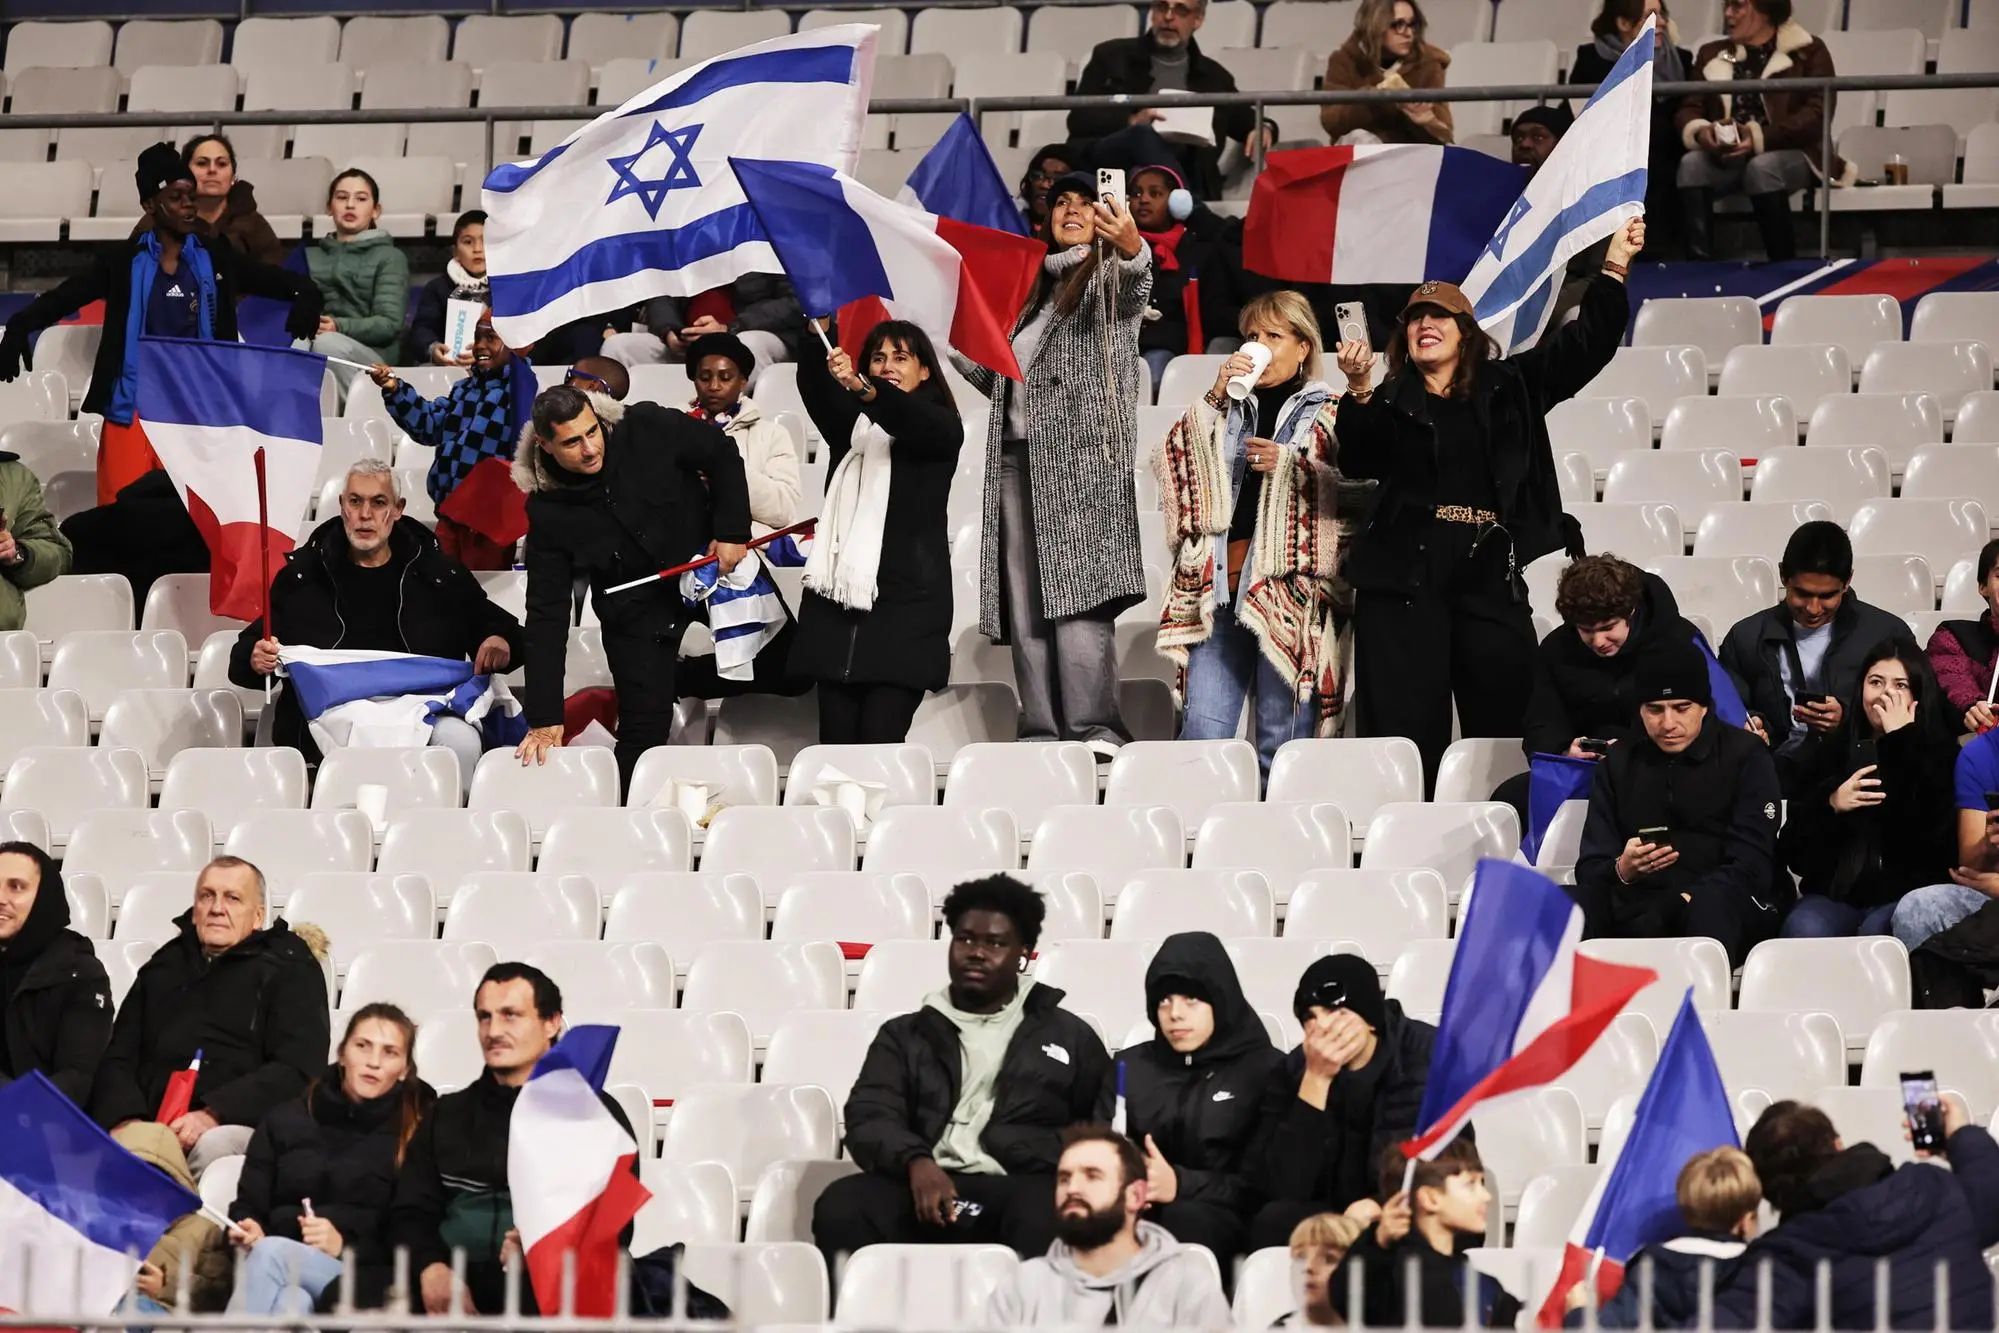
(1292, 597)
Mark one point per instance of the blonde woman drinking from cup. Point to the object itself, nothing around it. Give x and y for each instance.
(1250, 494)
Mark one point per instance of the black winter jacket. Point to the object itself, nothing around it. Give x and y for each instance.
(1389, 439)
(645, 510)
(452, 1190)
(339, 1153)
(109, 279)
(1578, 694)
(1914, 1216)
(1755, 644)
(442, 611)
(902, 1100)
(905, 639)
(1438, 1298)
(1124, 65)
(1718, 798)
(256, 1013)
(1301, 1152)
(1202, 1107)
(765, 303)
(1870, 857)
(56, 1018)
(1169, 288)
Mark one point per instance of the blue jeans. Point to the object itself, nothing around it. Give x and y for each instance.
(1924, 912)
(1817, 918)
(270, 1285)
(1221, 673)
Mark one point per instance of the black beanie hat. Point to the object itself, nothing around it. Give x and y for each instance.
(159, 167)
(1555, 119)
(1341, 981)
(1673, 670)
(721, 344)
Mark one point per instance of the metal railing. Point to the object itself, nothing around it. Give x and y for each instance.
(978, 107)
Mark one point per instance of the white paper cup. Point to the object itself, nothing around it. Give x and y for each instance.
(1244, 384)
(372, 800)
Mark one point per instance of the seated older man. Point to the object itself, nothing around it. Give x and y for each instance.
(250, 998)
(375, 579)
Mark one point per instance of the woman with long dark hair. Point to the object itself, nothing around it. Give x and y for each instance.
(874, 629)
(1458, 439)
(1883, 819)
(320, 1172)
(1059, 548)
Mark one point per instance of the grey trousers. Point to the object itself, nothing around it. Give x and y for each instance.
(218, 1143)
(1778, 172)
(1065, 670)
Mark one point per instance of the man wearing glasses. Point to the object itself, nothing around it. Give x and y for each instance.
(1164, 58)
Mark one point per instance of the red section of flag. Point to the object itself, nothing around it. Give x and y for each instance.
(179, 1096)
(592, 1234)
(1190, 306)
(488, 502)
(93, 313)
(997, 272)
(1575, 1267)
(857, 320)
(236, 552)
(1294, 213)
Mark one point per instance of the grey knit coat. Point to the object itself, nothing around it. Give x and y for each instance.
(1082, 424)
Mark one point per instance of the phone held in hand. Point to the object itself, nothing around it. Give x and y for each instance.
(1110, 184)
(1350, 319)
(1592, 746)
(1866, 754)
(1924, 1105)
(1658, 835)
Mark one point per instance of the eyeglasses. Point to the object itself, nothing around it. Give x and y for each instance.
(1402, 25)
(584, 377)
(1167, 8)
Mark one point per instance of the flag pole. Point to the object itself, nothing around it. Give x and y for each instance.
(764, 540)
(263, 549)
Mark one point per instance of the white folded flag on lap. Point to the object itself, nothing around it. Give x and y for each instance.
(1590, 186)
(357, 697)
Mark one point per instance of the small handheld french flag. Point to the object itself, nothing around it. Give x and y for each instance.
(179, 1096)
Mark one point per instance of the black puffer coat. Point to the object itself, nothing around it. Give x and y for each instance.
(1389, 439)
(339, 1153)
(55, 1001)
(442, 611)
(1870, 857)
(908, 1086)
(256, 1013)
(1201, 1107)
(905, 638)
(1578, 694)
(1304, 1153)
(669, 486)
(1914, 1216)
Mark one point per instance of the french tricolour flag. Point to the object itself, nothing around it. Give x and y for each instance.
(74, 1206)
(1376, 213)
(1684, 1110)
(840, 242)
(958, 179)
(569, 1169)
(207, 408)
(1522, 1006)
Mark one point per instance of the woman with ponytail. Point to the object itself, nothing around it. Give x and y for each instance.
(320, 1172)
(1059, 555)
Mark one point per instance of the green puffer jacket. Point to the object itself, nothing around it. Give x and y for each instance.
(45, 551)
(366, 283)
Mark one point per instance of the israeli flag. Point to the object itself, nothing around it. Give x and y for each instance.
(357, 697)
(1590, 186)
(641, 202)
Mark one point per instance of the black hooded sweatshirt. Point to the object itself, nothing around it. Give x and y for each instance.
(55, 1001)
(1200, 1107)
(1578, 694)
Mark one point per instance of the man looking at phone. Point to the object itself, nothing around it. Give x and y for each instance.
(1793, 663)
(1681, 835)
(957, 1114)
(33, 550)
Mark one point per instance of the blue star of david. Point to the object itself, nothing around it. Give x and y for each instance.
(1519, 210)
(679, 173)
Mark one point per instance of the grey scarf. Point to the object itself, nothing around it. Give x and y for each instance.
(1667, 67)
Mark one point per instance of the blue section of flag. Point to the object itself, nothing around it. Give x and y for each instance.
(56, 1155)
(622, 256)
(1552, 779)
(322, 687)
(1474, 192)
(1507, 942)
(1728, 705)
(957, 179)
(1684, 1110)
(1532, 264)
(825, 246)
(586, 1049)
(192, 382)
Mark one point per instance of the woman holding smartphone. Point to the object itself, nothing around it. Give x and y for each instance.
(1884, 819)
(1059, 553)
(1458, 439)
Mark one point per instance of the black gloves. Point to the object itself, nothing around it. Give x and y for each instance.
(14, 356)
(303, 321)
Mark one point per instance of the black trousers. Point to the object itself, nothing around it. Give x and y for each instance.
(1740, 921)
(1275, 1221)
(770, 672)
(642, 669)
(865, 714)
(870, 1209)
(1464, 636)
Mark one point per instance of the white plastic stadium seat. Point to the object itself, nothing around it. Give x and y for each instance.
(259, 42)
(1449, 838)
(288, 845)
(119, 844)
(670, 1052)
(738, 774)
(1851, 323)
(763, 980)
(1805, 373)
(609, 845)
(966, 34)
(446, 845)
(600, 979)
(1941, 531)
(748, 1126)
(367, 42)
(601, 38)
(823, 1047)
(1724, 588)
(66, 45)
(1226, 903)
(1759, 528)
(1691, 962)
(1895, 423)
(1521, 1137)
(1785, 1054)
(1382, 911)
(709, 33)
(1358, 775)
(904, 770)
(1474, 766)
(1477, 63)
(760, 838)
(423, 976)
(1960, 1045)
(922, 1287)
(950, 719)
(1715, 324)
(1104, 979)
(1692, 481)
(513, 910)
(682, 911)
(850, 907)
(897, 974)
(65, 784)
(1951, 470)
(358, 908)
(1949, 316)
(1654, 375)
(691, 1201)
(1949, 370)
(1844, 478)
(38, 717)
(1617, 1065)
(227, 784)
(1418, 977)
(159, 724)
(1601, 428)
(417, 778)
(1854, 980)
(1751, 428)
(766, 1284)
(1109, 843)
(574, 776)
(1639, 532)
(98, 664)
(914, 837)
(1283, 839)
(1550, 1204)
(1977, 419)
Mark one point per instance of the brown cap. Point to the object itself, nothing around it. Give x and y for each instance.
(1443, 295)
